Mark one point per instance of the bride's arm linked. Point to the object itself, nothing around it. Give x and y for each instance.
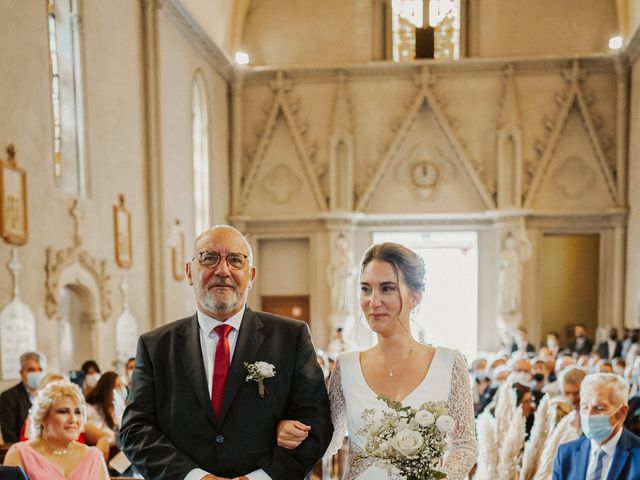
(463, 450)
(338, 411)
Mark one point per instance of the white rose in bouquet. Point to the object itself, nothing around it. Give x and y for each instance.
(445, 424)
(407, 442)
(266, 369)
(424, 418)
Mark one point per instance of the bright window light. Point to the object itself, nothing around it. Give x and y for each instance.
(242, 58)
(615, 42)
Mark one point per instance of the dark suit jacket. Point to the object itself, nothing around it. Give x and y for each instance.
(14, 408)
(170, 428)
(12, 473)
(572, 459)
(587, 346)
(603, 350)
(530, 348)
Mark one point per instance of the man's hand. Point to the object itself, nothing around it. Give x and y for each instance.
(291, 433)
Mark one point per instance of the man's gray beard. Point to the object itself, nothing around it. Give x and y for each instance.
(220, 306)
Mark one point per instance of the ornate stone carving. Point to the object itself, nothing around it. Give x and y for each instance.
(573, 98)
(290, 112)
(424, 80)
(341, 151)
(509, 181)
(341, 275)
(281, 183)
(425, 169)
(574, 177)
(74, 265)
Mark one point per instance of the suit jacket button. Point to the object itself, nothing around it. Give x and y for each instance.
(220, 439)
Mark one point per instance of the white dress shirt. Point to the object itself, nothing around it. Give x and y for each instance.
(208, 343)
(609, 448)
(611, 344)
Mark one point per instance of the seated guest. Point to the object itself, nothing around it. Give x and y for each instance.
(604, 366)
(128, 372)
(521, 343)
(498, 376)
(553, 343)
(562, 363)
(92, 434)
(611, 347)
(524, 399)
(91, 372)
(106, 402)
(607, 449)
(581, 344)
(57, 418)
(16, 401)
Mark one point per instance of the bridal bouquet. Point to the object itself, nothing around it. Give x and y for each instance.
(411, 442)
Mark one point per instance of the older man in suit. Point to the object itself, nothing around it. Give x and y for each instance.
(16, 401)
(202, 406)
(607, 450)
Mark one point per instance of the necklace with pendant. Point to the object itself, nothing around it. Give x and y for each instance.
(57, 452)
(392, 371)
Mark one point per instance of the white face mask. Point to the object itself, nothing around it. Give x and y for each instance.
(92, 380)
(521, 377)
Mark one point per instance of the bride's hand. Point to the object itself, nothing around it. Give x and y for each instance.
(291, 433)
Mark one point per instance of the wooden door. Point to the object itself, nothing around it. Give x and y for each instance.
(292, 306)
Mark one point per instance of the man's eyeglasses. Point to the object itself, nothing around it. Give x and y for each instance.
(235, 261)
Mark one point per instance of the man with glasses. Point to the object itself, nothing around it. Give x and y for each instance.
(209, 390)
(607, 450)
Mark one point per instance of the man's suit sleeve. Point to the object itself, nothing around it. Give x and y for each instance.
(308, 403)
(142, 441)
(9, 409)
(557, 465)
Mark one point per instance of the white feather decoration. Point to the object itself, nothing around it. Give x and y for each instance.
(511, 448)
(533, 448)
(487, 447)
(563, 433)
(504, 412)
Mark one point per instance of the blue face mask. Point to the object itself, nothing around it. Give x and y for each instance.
(33, 379)
(596, 427)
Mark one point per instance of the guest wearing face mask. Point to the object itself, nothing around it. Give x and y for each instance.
(611, 347)
(16, 401)
(626, 341)
(607, 449)
(106, 402)
(632, 422)
(634, 348)
(91, 372)
(128, 371)
(521, 342)
(498, 376)
(553, 343)
(581, 344)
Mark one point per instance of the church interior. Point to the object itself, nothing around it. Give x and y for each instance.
(504, 132)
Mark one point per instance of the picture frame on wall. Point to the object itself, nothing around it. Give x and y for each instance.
(13, 201)
(122, 234)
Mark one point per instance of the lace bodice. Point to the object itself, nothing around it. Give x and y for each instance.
(446, 381)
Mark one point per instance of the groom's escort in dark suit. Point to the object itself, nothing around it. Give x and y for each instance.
(170, 430)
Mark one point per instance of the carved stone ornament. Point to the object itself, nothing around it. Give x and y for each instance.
(74, 265)
(281, 183)
(574, 178)
(424, 170)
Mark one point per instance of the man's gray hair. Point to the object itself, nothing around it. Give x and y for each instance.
(618, 388)
(38, 357)
(572, 376)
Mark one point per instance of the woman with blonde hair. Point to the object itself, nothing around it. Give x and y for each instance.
(57, 417)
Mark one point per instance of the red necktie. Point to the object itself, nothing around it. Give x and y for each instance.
(221, 367)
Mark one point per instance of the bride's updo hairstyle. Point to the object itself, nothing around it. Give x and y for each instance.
(401, 259)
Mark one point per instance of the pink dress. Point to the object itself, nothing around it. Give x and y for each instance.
(37, 467)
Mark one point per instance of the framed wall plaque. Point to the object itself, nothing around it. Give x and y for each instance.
(122, 232)
(13, 200)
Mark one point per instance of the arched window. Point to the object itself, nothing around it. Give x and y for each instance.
(200, 137)
(69, 149)
(410, 20)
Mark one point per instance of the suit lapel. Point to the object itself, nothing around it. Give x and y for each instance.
(582, 458)
(190, 355)
(619, 457)
(249, 341)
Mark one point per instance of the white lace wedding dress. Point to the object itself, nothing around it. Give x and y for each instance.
(446, 382)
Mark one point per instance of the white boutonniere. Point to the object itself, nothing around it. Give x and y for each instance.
(258, 371)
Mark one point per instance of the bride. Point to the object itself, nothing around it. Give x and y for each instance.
(398, 367)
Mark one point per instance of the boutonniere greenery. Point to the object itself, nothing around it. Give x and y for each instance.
(257, 372)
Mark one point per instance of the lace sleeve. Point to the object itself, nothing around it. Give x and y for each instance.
(338, 411)
(463, 448)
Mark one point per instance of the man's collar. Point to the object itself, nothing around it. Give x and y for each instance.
(609, 447)
(207, 323)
